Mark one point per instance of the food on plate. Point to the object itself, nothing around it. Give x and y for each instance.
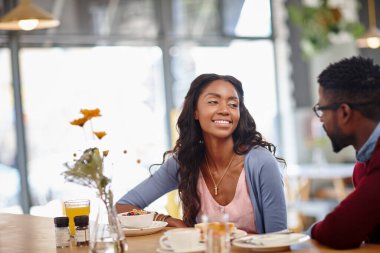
(135, 212)
(136, 218)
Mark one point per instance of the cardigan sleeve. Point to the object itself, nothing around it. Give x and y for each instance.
(267, 192)
(161, 182)
(273, 197)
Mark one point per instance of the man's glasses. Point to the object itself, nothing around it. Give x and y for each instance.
(318, 109)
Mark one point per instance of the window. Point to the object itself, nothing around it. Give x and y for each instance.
(9, 175)
(124, 82)
(65, 69)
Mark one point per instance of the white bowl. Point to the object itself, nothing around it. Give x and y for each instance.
(136, 221)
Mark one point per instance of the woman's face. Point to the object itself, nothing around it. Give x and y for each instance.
(218, 109)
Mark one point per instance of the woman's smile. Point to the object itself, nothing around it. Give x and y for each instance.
(222, 122)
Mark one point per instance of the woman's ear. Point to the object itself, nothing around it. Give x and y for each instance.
(196, 117)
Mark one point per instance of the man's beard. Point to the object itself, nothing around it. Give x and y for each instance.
(338, 140)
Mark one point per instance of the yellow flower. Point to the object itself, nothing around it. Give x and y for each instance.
(79, 122)
(100, 135)
(89, 114)
(88, 169)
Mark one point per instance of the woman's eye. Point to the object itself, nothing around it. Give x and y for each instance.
(233, 105)
(212, 102)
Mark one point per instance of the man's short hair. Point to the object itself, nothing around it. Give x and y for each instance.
(354, 80)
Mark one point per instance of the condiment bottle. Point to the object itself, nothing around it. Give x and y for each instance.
(82, 233)
(62, 232)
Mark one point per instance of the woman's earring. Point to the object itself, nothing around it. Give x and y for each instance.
(201, 141)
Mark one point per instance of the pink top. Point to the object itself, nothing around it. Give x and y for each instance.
(239, 210)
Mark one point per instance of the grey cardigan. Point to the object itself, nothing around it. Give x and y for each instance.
(264, 182)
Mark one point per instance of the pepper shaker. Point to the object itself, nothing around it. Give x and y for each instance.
(82, 233)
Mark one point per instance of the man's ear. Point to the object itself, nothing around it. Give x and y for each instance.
(345, 113)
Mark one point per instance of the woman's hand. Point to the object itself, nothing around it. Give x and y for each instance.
(173, 222)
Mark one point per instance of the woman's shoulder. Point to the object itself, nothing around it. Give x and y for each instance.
(259, 157)
(259, 151)
(171, 162)
(168, 169)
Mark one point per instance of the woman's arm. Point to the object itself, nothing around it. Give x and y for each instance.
(121, 208)
(267, 190)
(161, 182)
(273, 197)
(173, 222)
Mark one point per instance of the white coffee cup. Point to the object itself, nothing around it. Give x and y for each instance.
(181, 240)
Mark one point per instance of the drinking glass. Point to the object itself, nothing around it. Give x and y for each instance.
(75, 208)
(217, 234)
(106, 234)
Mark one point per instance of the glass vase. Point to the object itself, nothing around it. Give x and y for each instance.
(106, 234)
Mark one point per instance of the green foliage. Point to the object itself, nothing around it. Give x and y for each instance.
(88, 171)
(318, 23)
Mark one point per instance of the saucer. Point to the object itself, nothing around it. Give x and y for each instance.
(200, 248)
(155, 227)
(165, 247)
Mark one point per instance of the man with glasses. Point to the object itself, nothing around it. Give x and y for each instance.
(349, 109)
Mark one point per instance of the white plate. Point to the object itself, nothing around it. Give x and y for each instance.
(238, 233)
(200, 248)
(159, 250)
(270, 242)
(155, 227)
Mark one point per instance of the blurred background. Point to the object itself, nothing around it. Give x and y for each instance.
(135, 60)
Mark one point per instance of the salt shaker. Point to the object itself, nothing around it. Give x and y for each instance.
(62, 232)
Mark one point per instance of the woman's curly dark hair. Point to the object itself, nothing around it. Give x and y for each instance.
(189, 150)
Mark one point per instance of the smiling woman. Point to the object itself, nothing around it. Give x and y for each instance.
(220, 163)
(218, 108)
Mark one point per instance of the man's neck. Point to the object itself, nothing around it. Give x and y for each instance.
(364, 130)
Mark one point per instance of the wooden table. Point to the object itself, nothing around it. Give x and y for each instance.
(32, 234)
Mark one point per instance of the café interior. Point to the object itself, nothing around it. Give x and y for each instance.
(135, 60)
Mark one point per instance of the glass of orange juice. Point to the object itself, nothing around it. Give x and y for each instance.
(75, 208)
(217, 236)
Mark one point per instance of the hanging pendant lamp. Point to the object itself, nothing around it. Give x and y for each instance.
(371, 38)
(27, 16)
